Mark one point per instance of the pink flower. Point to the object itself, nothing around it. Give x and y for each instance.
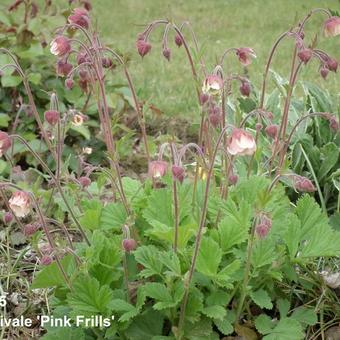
(213, 85)
(8, 217)
(107, 62)
(80, 17)
(46, 260)
(20, 203)
(129, 244)
(157, 169)
(63, 68)
(332, 27)
(143, 47)
(245, 88)
(333, 124)
(245, 55)
(332, 64)
(241, 143)
(232, 179)
(303, 184)
(69, 83)
(263, 227)
(272, 130)
(84, 181)
(5, 142)
(204, 97)
(30, 229)
(305, 55)
(178, 173)
(324, 72)
(52, 117)
(215, 119)
(60, 46)
(178, 40)
(167, 53)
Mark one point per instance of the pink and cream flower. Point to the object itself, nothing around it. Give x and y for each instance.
(20, 203)
(332, 26)
(60, 46)
(241, 143)
(245, 55)
(213, 85)
(5, 142)
(157, 169)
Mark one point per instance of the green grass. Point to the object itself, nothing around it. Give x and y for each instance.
(218, 25)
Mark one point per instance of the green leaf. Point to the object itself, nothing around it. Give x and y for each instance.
(329, 157)
(262, 299)
(264, 324)
(305, 316)
(215, 312)
(113, 217)
(65, 333)
(209, 257)
(283, 306)
(225, 276)
(50, 276)
(263, 253)
(34, 78)
(286, 329)
(10, 81)
(82, 130)
(128, 311)
(4, 119)
(224, 326)
(171, 261)
(88, 297)
(91, 219)
(149, 257)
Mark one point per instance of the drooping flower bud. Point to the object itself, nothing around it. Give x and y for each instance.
(232, 179)
(107, 62)
(84, 181)
(204, 97)
(305, 55)
(8, 217)
(20, 203)
(157, 169)
(245, 88)
(167, 53)
(80, 17)
(215, 119)
(129, 244)
(324, 72)
(30, 229)
(60, 46)
(332, 26)
(212, 85)
(332, 64)
(143, 47)
(333, 124)
(178, 173)
(263, 227)
(69, 83)
(178, 40)
(46, 260)
(5, 142)
(63, 68)
(245, 55)
(272, 130)
(241, 143)
(52, 117)
(303, 184)
(81, 58)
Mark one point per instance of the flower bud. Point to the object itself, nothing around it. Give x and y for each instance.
(258, 126)
(80, 17)
(5, 142)
(60, 46)
(272, 130)
(8, 217)
(52, 117)
(178, 173)
(69, 83)
(215, 119)
(46, 260)
(20, 203)
(333, 124)
(303, 184)
(84, 181)
(332, 64)
(143, 47)
(204, 97)
(324, 72)
(107, 62)
(129, 244)
(245, 55)
(30, 229)
(305, 55)
(232, 179)
(245, 88)
(157, 169)
(63, 68)
(81, 58)
(167, 53)
(262, 231)
(178, 40)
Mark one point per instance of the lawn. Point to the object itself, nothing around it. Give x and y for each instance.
(218, 25)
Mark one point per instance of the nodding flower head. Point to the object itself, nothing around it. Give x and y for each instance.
(60, 46)
(263, 226)
(84, 181)
(333, 123)
(5, 142)
(157, 169)
(129, 244)
(212, 85)
(143, 47)
(215, 119)
(167, 53)
(232, 179)
(78, 119)
(52, 117)
(8, 217)
(324, 72)
(272, 130)
(178, 173)
(63, 68)
(303, 184)
(332, 26)
(245, 88)
(305, 55)
(204, 97)
(30, 229)
(245, 55)
(178, 40)
(241, 143)
(332, 64)
(80, 17)
(20, 203)
(69, 83)
(107, 62)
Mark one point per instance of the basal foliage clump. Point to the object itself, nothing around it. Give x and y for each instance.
(227, 236)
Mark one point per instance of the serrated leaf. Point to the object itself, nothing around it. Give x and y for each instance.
(65, 333)
(263, 253)
(264, 324)
(128, 311)
(113, 217)
(305, 316)
(209, 257)
(171, 261)
(160, 293)
(283, 306)
(148, 256)
(261, 298)
(224, 326)
(286, 329)
(215, 312)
